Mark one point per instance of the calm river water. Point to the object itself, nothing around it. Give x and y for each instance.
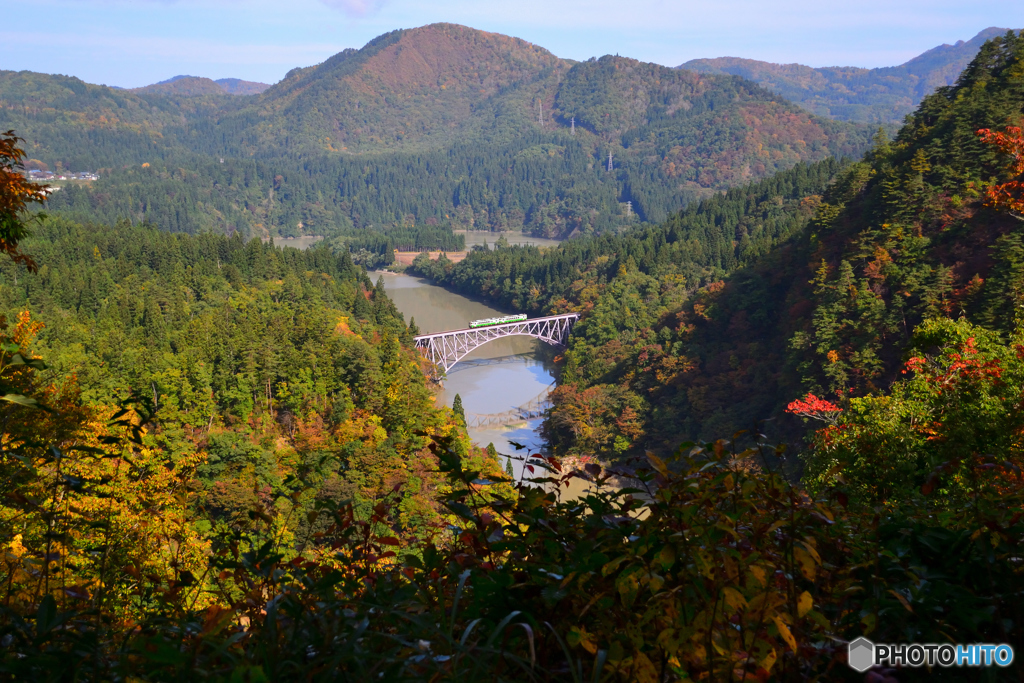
(499, 376)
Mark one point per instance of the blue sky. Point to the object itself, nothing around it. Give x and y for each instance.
(136, 42)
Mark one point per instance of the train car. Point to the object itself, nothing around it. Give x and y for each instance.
(502, 320)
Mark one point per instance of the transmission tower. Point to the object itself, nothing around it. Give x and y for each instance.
(629, 209)
(572, 130)
(540, 112)
(609, 162)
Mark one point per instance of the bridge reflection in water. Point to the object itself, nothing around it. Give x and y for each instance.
(533, 408)
(515, 359)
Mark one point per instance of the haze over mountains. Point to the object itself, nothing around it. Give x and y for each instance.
(848, 93)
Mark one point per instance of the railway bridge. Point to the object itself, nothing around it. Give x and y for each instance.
(445, 349)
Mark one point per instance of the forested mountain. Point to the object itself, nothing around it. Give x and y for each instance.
(183, 85)
(441, 125)
(266, 358)
(237, 86)
(846, 93)
(813, 279)
(196, 85)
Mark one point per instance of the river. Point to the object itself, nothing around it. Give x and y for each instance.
(497, 377)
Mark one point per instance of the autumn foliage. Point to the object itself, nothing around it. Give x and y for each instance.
(1007, 196)
(951, 412)
(813, 407)
(17, 194)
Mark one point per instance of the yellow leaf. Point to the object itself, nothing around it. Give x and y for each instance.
(734, 599)
(628, 588)
(643, 669)
(666, 557)
(657, 463)
(758, 574)
(805, 562)
(613, 565)
(809, 547)
(804, 603)
(903, 601)
(768, 662)
(728, 529)
(578, 636)
(785, 633)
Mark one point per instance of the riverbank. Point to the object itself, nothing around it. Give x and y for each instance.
(405, 258)
(476, 238)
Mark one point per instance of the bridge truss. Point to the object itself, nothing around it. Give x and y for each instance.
(445, 349)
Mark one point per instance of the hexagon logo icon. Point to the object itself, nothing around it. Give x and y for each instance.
(861, 654)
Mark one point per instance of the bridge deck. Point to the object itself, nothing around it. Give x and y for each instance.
(445, 349)
(463, 330)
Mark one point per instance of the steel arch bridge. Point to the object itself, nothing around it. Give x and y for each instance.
(445, 349)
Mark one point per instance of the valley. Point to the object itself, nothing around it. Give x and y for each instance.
(780, 435)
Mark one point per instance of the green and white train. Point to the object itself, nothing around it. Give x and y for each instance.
(487, 322)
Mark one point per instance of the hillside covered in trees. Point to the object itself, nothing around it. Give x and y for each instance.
(266, 359)
(436, 126)
(883, 95)
(196, 85)
(812, 280)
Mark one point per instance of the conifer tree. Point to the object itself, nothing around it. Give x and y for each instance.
(458, 410)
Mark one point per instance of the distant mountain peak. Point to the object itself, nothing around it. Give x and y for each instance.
(411, 85)
(172, 79)
(188, 86)
(236, 86)
(849, 93)
(422, 57)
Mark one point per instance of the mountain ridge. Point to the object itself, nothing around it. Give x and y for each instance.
(437, 125)
(881, 95)
(184, 85)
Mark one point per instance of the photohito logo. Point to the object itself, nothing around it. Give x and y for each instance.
(862, 654)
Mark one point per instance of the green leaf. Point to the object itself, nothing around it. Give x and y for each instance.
(21, 400)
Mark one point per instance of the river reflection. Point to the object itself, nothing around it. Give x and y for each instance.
(499, 376)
